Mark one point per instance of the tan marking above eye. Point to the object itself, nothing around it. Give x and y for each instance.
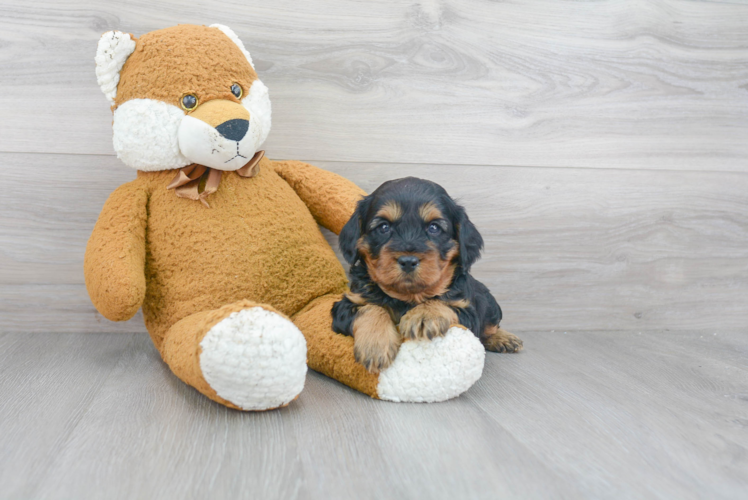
(391, 211)
(429, 212)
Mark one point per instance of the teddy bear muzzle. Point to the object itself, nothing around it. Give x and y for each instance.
(217, 134)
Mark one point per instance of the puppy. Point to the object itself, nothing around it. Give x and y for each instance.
(410, 247)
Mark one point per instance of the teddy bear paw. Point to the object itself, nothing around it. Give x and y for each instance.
(255, 359)
(428, 371)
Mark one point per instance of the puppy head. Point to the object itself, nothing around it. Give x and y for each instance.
(412, 237)
(182, 95)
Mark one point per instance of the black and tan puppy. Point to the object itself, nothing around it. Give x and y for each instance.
(410, 247)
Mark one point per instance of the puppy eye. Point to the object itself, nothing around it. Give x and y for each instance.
(383, 228)
(189, 102)
(236, 90)
(434, 229)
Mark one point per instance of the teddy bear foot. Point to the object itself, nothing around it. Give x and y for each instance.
(249, 358)
(255, 358)
(424, 371)
(429, 371)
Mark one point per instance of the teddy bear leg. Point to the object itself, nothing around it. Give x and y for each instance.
(331, 353)
(243, 355)
(423, 370)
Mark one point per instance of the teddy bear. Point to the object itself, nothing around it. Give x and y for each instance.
(221, 246)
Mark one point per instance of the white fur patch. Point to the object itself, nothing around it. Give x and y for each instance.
(230, 33)
(111, 53)
(203, 145)
(145, 135)
(428, 371)
(152, 135)
(255, 359)
(257, 102)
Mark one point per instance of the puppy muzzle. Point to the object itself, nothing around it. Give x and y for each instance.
(408, 263)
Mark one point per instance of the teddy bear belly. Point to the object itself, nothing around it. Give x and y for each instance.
(265, 247)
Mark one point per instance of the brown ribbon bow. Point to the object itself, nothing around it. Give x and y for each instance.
(186, 184)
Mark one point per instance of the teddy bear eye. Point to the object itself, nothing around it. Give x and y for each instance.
(236, 90)
(189, 102)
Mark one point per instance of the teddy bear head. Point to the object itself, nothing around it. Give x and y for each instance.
(183, 95)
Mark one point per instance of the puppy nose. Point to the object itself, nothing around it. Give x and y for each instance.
(408, 263)
(233, 130)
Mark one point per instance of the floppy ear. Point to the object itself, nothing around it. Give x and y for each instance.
(351, 232)
(113, 50)
(469, 239)
(230, 33)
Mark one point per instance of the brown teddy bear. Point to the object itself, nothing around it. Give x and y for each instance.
(220, 246)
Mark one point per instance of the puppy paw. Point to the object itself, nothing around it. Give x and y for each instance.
(497, 340)
(375, 338)
(427, 321)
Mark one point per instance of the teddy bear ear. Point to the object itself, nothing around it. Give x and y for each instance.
(113, 50)
(230, 33)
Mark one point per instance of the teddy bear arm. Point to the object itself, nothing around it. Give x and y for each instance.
(114, 264)
(330, 198)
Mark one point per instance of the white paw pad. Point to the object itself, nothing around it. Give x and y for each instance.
(428, 371)
(254, 358)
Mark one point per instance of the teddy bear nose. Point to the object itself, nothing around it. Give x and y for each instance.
(233, 130)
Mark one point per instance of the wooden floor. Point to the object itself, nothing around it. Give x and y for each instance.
(600, 147)
(577, 415)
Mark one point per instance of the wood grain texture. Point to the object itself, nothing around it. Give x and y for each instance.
(630, 405)
(566, 249)
(634, 266)
(583, 415)
(47, 385)
(56, 308)
(616, 83)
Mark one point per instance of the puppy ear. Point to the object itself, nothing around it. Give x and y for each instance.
(351, 232)
(111, 53)
(469, 239)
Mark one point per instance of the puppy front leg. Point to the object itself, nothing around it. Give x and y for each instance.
(375, 338)
(497, 340)
(428, 320)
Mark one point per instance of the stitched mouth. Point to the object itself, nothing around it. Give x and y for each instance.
(238, 155)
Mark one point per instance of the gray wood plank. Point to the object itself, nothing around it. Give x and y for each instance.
(566, 249)
(576, 415)
(644, 84)
(640, 415)
(56, 308)
(147, 428)
(47, 384)
(48, 217)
